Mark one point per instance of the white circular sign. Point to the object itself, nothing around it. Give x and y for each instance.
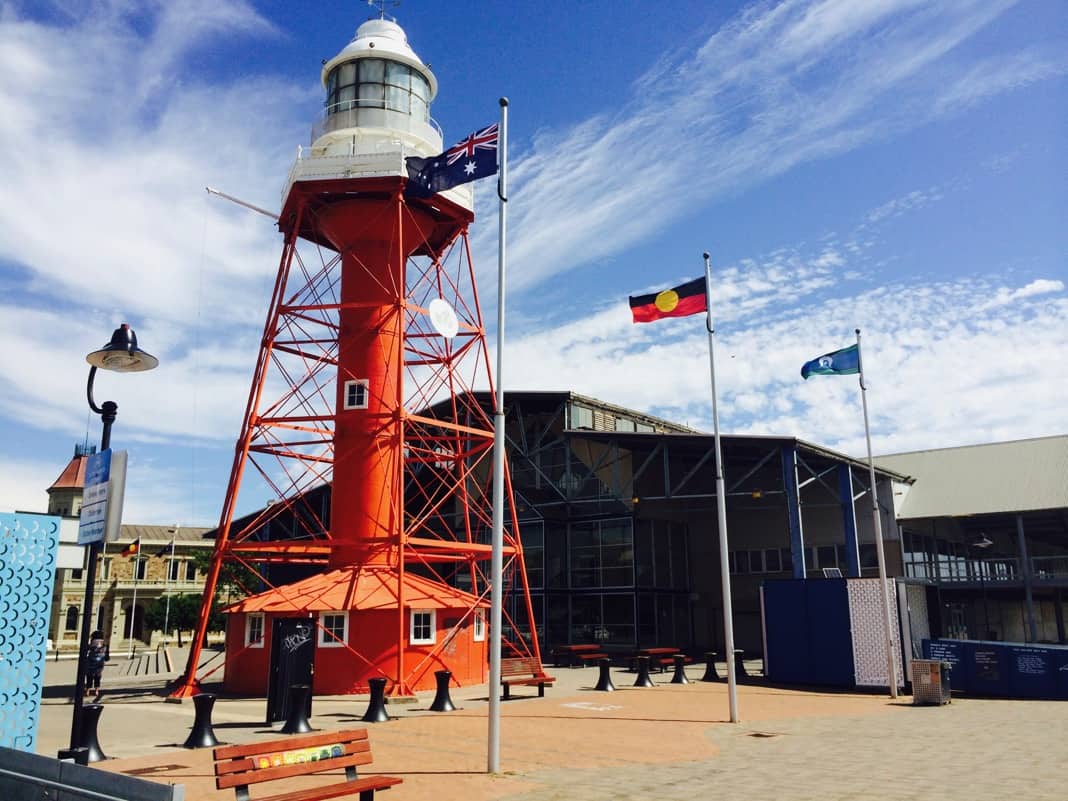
(443, 318)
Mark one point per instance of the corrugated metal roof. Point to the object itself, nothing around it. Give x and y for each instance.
(162, 534)
(356, 588)
(1025, 475)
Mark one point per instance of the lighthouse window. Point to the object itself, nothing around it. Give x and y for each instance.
(398, 75)
(378, 83)
(420, 87)
(422, 627)
(356, 394)
(254, 631)
(333, 629)
(372, 70)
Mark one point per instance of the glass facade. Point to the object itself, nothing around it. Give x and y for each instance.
(378, 83)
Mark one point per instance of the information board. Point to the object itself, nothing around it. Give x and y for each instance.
(105, 483)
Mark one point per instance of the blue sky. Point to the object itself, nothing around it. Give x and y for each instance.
(893, 165)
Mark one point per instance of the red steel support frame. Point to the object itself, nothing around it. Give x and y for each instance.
(439, 498)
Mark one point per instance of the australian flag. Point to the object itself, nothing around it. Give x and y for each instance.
(473, 158)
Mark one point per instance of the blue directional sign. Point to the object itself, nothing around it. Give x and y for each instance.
(95, 498)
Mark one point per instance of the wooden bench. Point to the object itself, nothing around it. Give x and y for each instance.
(238, 766)
(524, 670)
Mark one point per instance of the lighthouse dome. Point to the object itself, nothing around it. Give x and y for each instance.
(378, 89)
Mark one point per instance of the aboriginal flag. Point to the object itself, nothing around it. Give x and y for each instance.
(133, 548)
(680, 301)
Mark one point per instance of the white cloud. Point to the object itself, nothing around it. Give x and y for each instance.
(111, 134)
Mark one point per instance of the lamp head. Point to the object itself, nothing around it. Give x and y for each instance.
(121, 354)
(983, 541)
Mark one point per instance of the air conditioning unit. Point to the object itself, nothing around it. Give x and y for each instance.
(930, 682)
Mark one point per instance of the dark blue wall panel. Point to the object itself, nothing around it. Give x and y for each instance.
(808, 634)
(1008, 670)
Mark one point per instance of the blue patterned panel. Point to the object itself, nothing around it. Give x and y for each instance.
(28, 545)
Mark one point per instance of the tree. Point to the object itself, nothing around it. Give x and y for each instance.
(183, 614)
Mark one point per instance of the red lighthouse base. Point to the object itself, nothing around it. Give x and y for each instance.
(449, 632)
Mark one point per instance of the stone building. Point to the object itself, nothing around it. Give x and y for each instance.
(125, 585)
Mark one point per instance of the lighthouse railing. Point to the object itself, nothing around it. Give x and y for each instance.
(375, 113)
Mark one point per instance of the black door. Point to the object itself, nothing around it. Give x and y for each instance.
(292, 662)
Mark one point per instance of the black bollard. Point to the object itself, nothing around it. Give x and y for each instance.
(643, 679)
(376, 707)
(680, 670)
(87, 734)
(78, 755)
(710, 667)
(297, 722)
(604, 681)
(442, 702)
(739, 666)
(202, 734)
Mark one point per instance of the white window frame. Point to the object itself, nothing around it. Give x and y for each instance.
(412, 639)
(354, 383)
(140, 568)
(249, 642)
(326, 640)
(478, 627)
(174, 570)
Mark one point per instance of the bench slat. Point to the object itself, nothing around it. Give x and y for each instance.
(337, 790)
(289, 743)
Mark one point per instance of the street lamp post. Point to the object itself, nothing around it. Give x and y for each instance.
(120, 355)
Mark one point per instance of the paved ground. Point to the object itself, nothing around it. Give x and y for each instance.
(667, 742)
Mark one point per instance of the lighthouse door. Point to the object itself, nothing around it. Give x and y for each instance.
(292, 663)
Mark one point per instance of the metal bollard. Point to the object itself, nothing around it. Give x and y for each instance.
(202, 735)
(739, 665)
(710, 667)
(78, 755)
(297, 722)
(442, 701)
(87, 732)
(604, 681)
(680, 670)
(376, 707)
(643, 679)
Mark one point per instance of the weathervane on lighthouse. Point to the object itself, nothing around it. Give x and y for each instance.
(365, 417)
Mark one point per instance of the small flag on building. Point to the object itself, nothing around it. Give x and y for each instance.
(840, 362)
(473, 158)
(679, 301)
(132, 549)
(166, 549)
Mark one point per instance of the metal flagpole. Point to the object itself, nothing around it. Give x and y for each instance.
(496, 567)
(721, 507)
(891, 661)
(167, 592)
(133, 606)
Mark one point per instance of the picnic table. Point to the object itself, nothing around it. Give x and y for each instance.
(661, 656)
(578, 654)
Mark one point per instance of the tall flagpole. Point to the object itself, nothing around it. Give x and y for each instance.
(721, 507)
(133, 606)
(891, 661)
(496, 567)
(167, 592)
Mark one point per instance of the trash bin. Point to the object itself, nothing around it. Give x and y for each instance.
(930, 682)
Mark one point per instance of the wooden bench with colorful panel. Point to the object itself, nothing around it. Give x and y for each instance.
(239, 766)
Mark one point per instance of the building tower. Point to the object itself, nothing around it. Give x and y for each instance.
(364, 386)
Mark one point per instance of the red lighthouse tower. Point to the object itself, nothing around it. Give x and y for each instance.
(363, 394)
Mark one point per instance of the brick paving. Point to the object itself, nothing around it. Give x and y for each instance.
(667, 742)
